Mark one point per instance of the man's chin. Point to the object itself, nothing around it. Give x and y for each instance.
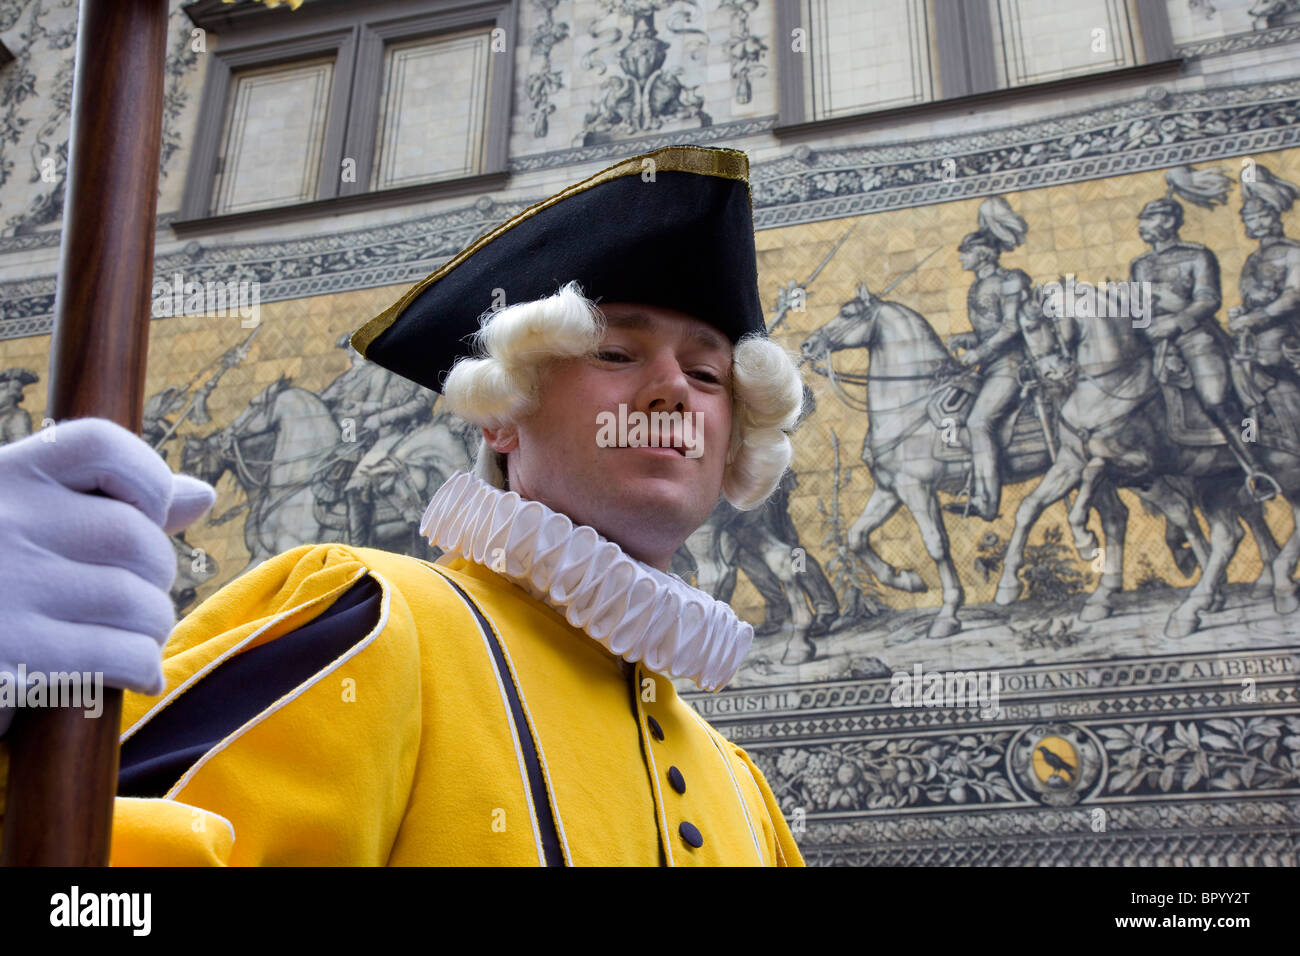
(633, 486)
(644, 525)
(670, 486)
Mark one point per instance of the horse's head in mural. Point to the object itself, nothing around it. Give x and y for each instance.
(852, 327)
(251, 436)
(259, 417)
(1269, 13)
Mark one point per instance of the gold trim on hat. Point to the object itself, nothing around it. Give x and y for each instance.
(723, 163)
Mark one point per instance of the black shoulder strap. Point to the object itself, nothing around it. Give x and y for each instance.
(540, 794)
(160, 752)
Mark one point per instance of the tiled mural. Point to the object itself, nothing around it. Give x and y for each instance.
(1147, 688)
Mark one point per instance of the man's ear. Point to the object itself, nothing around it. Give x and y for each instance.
(504, 439)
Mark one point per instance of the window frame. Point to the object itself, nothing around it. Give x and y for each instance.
(357, 33)
(966, 73)
(373, 41)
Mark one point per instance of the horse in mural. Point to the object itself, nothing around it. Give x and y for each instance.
(765, 544)
(193, 569)
(414, 468)
(274, 449)
(909, 368)
(283, 444)
(713, 554)
(908, 361)
(1116, 430)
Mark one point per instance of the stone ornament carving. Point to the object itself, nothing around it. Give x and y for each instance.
(745, 49)
(645, 94)
(545, 80)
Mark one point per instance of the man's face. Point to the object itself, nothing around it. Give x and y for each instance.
(646, 499)
(1259, 223)
(1155, 227)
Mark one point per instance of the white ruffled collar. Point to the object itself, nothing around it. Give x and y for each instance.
(634, 611)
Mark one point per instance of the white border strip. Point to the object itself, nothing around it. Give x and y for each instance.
(726, 762)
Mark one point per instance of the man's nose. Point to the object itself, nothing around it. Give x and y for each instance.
(666, 387)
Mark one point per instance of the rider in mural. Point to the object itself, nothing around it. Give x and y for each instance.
(15, 421)
(381, 408)
(166, 410)
(1268, 320)
(1185, 295)
(1002, 315)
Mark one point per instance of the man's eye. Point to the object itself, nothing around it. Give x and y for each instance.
(706, 376)
(605, 356)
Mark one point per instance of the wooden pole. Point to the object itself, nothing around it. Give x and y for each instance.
(63, 765)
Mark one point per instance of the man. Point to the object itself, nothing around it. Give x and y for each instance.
(382, 409)
(995, 303)
(1270, 279)
(512, 703)
(15, 421)
(1188, 342)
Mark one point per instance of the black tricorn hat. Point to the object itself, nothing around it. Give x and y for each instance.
(672, 228)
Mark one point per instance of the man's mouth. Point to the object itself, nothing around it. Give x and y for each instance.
(666, 443)
(661, 449)
(667, 433)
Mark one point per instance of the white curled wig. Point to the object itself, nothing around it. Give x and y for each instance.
(501, 385)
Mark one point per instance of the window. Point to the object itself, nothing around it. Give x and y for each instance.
(1035, 42)
(274, 135)
(330, 105)
(433, 103)
(843, 58)
(867, 56)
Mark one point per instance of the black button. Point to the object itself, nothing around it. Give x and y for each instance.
(655, 729)
(676, 779)
(691, 835)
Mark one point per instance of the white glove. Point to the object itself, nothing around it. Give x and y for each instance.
(86, 577)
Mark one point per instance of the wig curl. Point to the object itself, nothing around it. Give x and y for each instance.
(501, 385)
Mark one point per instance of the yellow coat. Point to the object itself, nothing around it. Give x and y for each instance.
(443, 738)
